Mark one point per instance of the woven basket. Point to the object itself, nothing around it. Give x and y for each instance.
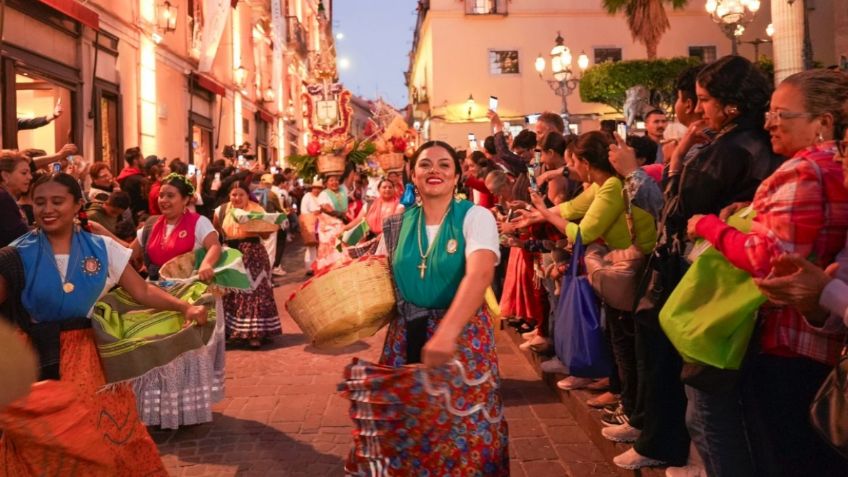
(259, 227)
(181, 266)
(345, 304)
(392, 161)
(330, 163)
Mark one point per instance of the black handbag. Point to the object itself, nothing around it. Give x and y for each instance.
(829, 410)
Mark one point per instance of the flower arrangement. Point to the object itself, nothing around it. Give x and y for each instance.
(354, 151)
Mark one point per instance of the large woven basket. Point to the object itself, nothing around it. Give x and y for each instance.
(330, 163)
(181, 266)
(392, 161)
(259, 227)
(345, 304)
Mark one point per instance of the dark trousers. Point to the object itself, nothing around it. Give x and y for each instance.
(777, 393)
(282, 236)
(716, 423)
(625, 377)
(660, 401)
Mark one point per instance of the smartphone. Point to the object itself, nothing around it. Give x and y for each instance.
(493, 103)
(621, 129)
(472, 141)
(192, 169)
(57, 167)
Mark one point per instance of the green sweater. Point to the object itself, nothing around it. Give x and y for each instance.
(601, 210)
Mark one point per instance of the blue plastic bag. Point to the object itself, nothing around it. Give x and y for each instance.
(578, 335)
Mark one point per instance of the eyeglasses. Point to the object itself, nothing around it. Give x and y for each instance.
(775, 117)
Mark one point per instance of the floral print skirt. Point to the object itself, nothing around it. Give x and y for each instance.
(410, 420)
(253, 314)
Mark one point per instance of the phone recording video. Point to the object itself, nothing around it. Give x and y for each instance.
(472, 141)
(493, 103)
(621, 129)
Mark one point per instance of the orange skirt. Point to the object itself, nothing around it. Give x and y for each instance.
(67, 427)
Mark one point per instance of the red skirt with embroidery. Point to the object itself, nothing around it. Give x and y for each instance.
(522, 297)
(410, 420)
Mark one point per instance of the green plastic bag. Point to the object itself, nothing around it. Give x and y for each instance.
(711, 314)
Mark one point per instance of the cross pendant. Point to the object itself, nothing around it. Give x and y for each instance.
(423, 268)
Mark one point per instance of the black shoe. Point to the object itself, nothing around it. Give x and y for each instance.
(526, 327)
(615, 418)
(514, 322)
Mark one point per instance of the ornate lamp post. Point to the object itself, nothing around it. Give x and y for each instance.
(565, 81)
(732, 16)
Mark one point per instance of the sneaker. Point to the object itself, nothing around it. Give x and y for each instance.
(278, 271)
(603, 400)
(553, 366)
(573, 382)
(616, 418)
(622, 433)
(632, 460)
(689, 470)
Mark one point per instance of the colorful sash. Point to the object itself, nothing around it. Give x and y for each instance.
(43, 295)
(160, 249)
(339, 199)
(445, 264)
(133, 340)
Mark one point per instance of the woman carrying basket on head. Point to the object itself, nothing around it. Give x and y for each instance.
(252, 315)
(442, 256)
(50, 279)
(182, 392)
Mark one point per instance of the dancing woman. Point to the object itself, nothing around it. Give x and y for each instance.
(250, 316)
(443, 254)
(182, 392)
(49, 280)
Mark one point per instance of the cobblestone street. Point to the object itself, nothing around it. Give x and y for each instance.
(282, 417)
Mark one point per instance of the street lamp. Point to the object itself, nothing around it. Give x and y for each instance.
(565, 81)
(166, 17)
(732, 16)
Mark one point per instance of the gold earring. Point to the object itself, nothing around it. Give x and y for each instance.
(819, 138)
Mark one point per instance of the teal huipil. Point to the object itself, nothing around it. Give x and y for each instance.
(445, 263)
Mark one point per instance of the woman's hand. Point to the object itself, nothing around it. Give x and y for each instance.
(206, 273)
(440, 349)
(622, 157)
(538, 201)
(196, 314)
(549, 175)
(692, 226)
(506, 227)
(526, 218)
(796, 282)
(518, 204)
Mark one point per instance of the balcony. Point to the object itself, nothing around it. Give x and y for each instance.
(296, 37)
(485, 7)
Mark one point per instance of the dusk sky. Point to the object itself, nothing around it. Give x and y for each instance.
(377, 39)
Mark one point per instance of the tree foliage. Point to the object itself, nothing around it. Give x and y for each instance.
(646, 19)
(606, 83)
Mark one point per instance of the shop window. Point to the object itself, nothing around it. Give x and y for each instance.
(107, 126)
(201, 141)
(36, 97)
(707, 54)
(607, 54)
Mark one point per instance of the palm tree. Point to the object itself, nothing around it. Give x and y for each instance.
(646, 19)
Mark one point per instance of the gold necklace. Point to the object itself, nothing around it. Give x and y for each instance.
(422, 267)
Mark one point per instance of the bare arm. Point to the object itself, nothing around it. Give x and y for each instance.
(479, 271)
(213, 253)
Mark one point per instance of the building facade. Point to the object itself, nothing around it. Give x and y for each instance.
(179, 78)
(449, 86)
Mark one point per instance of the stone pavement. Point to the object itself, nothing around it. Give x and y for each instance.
(282, 417)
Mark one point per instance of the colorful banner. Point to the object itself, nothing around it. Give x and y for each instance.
(216, 13)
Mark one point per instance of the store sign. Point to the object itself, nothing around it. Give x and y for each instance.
(216, 13)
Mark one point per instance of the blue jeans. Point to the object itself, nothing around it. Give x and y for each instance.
(716, 425)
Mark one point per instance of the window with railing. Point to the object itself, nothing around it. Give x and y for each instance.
(485, 7)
